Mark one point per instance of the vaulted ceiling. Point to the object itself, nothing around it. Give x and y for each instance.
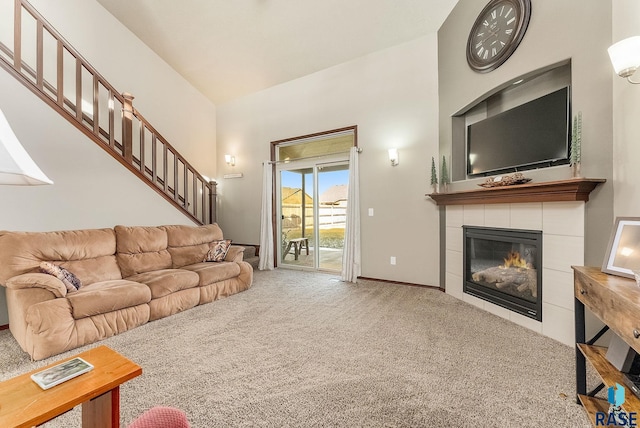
(230, 48)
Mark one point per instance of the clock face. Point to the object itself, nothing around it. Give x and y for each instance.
(496, 33)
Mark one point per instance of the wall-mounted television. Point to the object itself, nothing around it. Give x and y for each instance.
(532, 135)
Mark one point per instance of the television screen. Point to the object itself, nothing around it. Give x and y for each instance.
(532, 135)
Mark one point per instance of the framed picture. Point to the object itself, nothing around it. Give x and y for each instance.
(623, 252)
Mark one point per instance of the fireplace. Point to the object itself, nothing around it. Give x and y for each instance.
(504, 267)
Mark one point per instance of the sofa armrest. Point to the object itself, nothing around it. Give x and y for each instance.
(235, 254)
(38, 280)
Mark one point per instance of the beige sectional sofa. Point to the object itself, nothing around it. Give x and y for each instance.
(129, 275)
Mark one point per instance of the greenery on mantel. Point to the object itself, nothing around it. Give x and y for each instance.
(444, 173)
(575, 155)
(434, 176)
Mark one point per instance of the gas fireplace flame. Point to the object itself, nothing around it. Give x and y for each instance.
(514, 260)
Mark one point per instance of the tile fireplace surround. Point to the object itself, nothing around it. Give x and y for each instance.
(561, 221)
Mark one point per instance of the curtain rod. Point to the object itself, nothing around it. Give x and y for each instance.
(359, 150)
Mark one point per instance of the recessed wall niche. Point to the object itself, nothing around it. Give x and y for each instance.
(511, 94)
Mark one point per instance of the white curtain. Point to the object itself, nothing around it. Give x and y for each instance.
(266, 226)
(351, 255)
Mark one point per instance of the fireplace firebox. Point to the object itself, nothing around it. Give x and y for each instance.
(504, 267)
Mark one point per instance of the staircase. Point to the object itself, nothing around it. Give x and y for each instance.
(102, 113)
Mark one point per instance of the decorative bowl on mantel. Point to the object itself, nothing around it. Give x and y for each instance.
(505, 180)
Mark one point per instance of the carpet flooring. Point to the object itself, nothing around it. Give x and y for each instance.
(303, 349)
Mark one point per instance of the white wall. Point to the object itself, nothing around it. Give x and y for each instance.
(626, 111)
(184, 116)
(391, 96)
(91, 189)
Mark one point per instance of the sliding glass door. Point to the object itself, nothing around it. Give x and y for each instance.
(296, 199)
(312, 201)
(332, 214)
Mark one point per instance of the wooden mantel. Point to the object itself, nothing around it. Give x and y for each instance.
(574, 189)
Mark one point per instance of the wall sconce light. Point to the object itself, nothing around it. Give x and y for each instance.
(230, 160)
(393, 157)
(625, 57)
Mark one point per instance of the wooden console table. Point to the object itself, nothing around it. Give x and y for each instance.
(25, 404)
(616, 302)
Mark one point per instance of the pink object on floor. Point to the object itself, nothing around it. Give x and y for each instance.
(161, 417)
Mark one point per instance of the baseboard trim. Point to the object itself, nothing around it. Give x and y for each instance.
(410, 284)
(4, 327)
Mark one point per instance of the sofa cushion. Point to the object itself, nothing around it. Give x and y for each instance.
(214, 272)
(174, 303)
(107, 296)
(94, 269)
(38, 280)
(235, 254)
(98, 327)
(189, 244)
(89, 253)
(167, 281)
(141, 249)
(52, 328)
(217, 251)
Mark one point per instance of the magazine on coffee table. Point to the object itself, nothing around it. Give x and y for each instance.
(60, 373)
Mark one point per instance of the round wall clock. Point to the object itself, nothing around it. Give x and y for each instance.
(497, 32)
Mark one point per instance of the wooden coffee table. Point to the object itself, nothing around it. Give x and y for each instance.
(24, 404)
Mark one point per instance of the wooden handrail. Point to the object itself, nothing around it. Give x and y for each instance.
(105, 115)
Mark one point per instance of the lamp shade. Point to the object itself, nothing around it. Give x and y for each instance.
(625, 56)
(16, 166)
